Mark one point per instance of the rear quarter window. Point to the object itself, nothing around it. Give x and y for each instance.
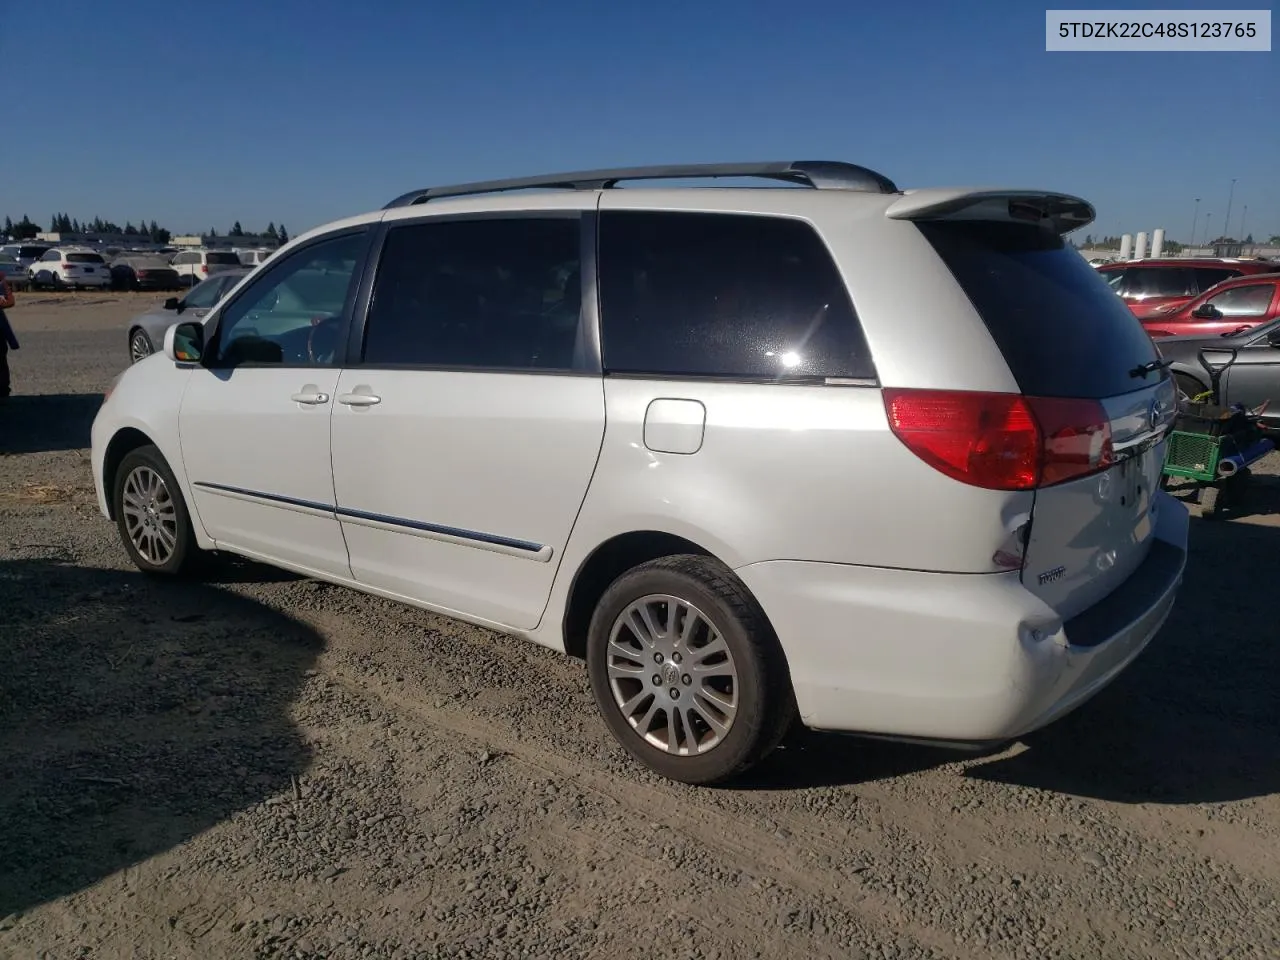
(725, 295)
(1062, 330)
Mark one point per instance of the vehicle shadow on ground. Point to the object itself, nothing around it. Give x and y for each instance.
(1196, 718)
(132, 718)
(47, 423)
(808, 759)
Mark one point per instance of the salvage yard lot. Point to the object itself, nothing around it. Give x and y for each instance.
(266, 766)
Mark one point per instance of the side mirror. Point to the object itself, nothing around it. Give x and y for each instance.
(171, 304)
(1206, 311)
(184, 342)
(1273, 338)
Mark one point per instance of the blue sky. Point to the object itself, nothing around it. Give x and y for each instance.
(301, 111)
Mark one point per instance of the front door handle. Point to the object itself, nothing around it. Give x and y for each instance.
(359, 399)
(310, 396)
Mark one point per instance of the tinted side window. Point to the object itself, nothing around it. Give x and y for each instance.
(724, 295)
(491, 293)
(294, 313)
(1158, 282)
(1250, 301)
(1206, 277)
(204, 294)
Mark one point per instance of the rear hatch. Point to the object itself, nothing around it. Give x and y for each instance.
(1092, 381)
(218, 261)
(84, 263)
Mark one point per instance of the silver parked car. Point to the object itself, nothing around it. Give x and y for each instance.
(146, 330)
(14, 272)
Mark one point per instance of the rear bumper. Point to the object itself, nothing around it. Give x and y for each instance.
(956, 657)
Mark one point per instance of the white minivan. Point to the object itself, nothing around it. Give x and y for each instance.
(884, 461)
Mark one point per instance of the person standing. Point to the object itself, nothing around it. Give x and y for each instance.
(8, 340)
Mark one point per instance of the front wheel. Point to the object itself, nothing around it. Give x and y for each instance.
(686, 670)
(1188, 388)
(152, 516)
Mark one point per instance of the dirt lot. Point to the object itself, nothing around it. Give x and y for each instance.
(266, 766)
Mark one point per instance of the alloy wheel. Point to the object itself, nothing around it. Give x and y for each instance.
(672, 675)
(151, 519)
(139, 347)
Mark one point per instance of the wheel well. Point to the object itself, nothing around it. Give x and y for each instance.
(127, 439)
(605, 564)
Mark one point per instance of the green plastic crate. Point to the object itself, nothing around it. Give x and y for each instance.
(1193, 455)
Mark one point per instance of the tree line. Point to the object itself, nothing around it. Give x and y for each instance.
(26, 229)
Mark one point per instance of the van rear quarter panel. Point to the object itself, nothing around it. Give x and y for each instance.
(788, 472)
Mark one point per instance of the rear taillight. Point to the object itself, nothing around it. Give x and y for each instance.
(204, 268)
(1002, 441)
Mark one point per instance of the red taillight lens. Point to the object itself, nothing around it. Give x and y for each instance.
(204, 268)
(1077, 438)
(1001, 441)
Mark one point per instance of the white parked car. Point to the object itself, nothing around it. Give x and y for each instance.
(74, 267)
(886, 461)
(196, 265)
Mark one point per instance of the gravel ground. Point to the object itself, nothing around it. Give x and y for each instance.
(266, 766)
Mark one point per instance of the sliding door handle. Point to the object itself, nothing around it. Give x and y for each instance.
(359, 399)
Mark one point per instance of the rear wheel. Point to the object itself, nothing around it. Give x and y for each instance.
(152, 516)
(686, 670)
(140, 346)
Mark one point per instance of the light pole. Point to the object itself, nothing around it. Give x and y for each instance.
(1226, 221)
(1243, 215)
(1194, 219)
(1208, 231)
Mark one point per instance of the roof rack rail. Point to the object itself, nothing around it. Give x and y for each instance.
(819, 174)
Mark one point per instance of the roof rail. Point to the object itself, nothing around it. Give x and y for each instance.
(819, 174)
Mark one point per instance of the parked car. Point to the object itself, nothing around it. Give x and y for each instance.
(14, 272)
(74, 267)
(147, 329)
(650, 428)
(1251, 378)
(1148, 285)
(252, 258)
(132, 271)
(196, 265)
(26, 253)
(1227, 307)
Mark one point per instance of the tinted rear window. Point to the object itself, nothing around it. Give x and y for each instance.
(230, 258)
(85, 258)
(724, 295)
(1062, 330)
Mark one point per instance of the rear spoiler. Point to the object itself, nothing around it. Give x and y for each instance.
(1060, 212)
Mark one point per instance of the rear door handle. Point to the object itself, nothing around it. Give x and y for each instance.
(310, 396)
(359, 399)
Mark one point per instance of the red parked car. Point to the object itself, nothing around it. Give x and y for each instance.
(1146, 285)
(1229, 307)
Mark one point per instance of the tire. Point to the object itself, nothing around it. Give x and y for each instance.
(1188, 387)
(140, 345)
(753, 674)
(143, 471)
